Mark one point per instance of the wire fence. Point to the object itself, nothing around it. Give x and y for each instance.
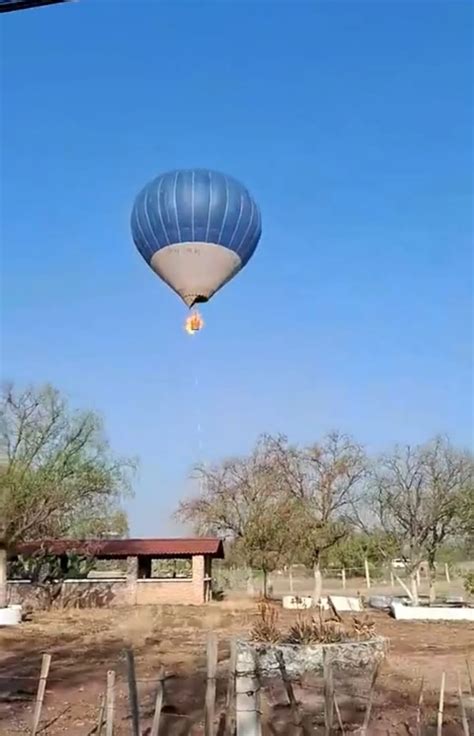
(365, 577)
(246, 703)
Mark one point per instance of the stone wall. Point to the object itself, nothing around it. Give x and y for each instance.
(349, 655)
(99, 593)
(69, 594)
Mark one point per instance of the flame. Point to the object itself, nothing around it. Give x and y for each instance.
(193, 323)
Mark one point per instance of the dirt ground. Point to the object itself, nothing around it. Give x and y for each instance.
(84, 644)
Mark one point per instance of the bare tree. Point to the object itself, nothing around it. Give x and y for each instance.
(267, 539)
(325, 479)
(242, 501)
(232, 493)
(419, 494)
(305, 492)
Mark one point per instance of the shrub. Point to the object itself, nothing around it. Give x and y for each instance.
(469, 583)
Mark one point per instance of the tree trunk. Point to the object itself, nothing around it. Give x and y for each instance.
(250, 588)
(3, 576)
(265, 583)
(318, 581)
(290, 578)
(414, 588)
(432, 578)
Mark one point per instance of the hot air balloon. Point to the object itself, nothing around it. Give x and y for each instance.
(196, 228)
(9, 6)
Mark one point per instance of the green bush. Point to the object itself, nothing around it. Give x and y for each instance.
(469, 582)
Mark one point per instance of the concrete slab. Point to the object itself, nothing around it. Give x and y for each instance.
(431, 613)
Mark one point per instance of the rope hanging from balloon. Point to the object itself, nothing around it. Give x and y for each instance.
(196, 363)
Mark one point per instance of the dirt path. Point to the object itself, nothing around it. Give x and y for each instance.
(85, 644)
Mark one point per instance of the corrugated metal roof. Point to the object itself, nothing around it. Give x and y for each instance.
(126, 547)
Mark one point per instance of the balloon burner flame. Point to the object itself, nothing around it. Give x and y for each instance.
(193, 323)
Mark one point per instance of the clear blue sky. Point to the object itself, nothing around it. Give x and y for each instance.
(350, 122)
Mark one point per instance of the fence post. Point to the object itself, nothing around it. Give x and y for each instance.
(328, 694)
(155, 727)
(343, 576)
(439, 729)
(465, 723)
(230, 694)
(132, 692)
(211, 683)
(100, 720)
(367, 573)
(109, 728)
(368, 710)
(289, 690)
(46, 661)
(419, 712)
(247, 691)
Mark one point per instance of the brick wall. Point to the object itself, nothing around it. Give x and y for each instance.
(175, 592)
(198, 578)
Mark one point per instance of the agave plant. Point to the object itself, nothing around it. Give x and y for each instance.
(266, 627)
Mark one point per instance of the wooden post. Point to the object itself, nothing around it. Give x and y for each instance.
(439, 730)
(211, 684)
(132, 692)
(339, 716)
(109, 728)
(446, 572)
(296, 716)
(230, 691)
(469, 678)
(419, 728)
(155, 728)
(402, 584)
(328, 695)
(465, 723)
(100, 720)
(367, 573)
(45, 663)
(343, 576)
(368, 710)
(247, 692)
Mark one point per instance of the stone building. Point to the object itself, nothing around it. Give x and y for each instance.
(154, 571)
